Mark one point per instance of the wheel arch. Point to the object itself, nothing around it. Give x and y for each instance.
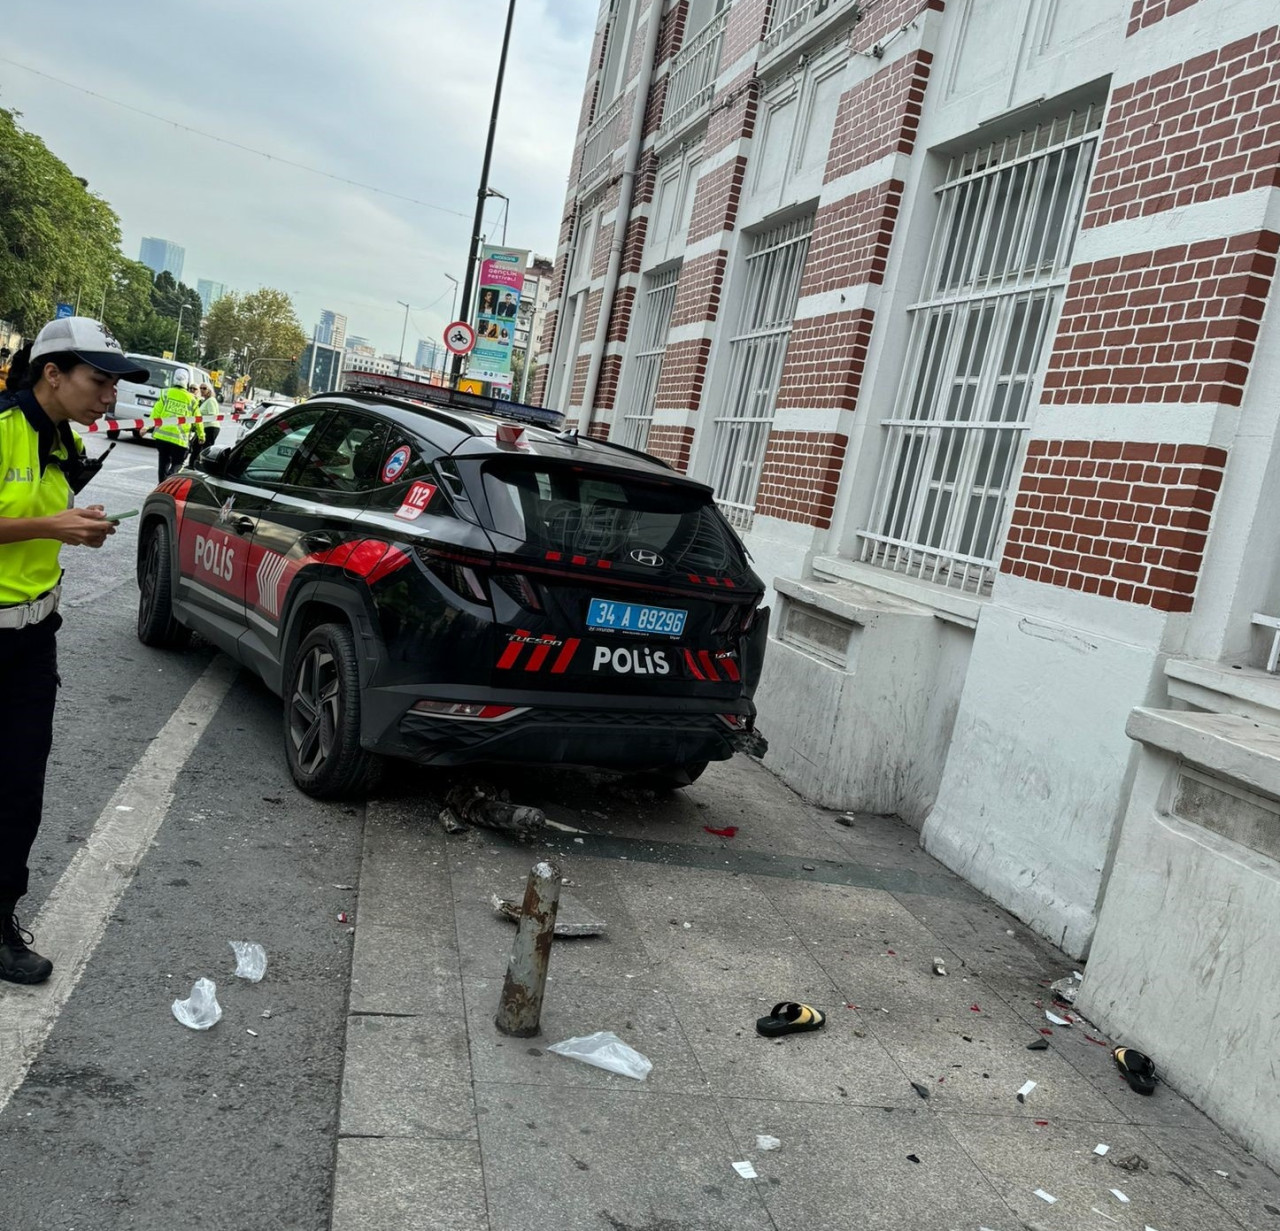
(324, 601)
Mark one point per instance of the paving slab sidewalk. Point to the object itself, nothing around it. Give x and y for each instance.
(446, 1123)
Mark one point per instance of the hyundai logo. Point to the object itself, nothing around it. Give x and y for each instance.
(642, 555)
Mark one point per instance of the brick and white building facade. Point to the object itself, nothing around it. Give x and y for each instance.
(966, 309)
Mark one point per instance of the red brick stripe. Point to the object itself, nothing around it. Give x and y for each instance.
(1176, 325)
(850, 243)
(879, 116)
(1147, 12)
(1200, 130)
(800, 476)
(1124, 520)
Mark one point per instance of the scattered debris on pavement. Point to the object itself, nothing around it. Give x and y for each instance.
(1119, 1196)
(728, 831)
(939, 966)
(847, 819)
(922, 1091)
(345, 888)
(604, 1050)
(765, 1142)
(1056, 1020)
(572, 918)
(1068, 988)
(1044, 1196)
(201, 1009)
(1025, 1089)
(913, 1158)
(1038, 1045)
(1133, 1163)
(745, 1170)
(342, 916)
(251, 960)
(1101, 1149)
(252, 1032)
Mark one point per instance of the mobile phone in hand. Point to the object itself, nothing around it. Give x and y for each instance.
(119, 517)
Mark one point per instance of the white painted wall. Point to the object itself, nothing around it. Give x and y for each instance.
(1184, 964)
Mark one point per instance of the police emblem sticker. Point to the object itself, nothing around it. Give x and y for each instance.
(396, 463)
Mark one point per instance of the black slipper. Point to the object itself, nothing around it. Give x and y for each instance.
(789, 1018)
(1138, 1070)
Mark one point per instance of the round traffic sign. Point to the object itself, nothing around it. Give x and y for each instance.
(460, 338)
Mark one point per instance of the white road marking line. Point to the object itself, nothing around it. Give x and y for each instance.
(75, 914)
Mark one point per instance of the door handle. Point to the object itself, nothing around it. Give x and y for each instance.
(242, 525)
(319, 540)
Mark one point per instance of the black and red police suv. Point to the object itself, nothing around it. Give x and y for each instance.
(452, 580)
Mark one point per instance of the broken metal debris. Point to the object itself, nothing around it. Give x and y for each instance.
(1038, 1045)
(520, 1008)
(846, 819)
(1068, 988)
(939, 966)
(474, 803)
(572, 918)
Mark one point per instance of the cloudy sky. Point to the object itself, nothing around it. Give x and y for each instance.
(392, 93)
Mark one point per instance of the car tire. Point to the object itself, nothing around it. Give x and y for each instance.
(675, 777)
(156, 623)
(322, 717)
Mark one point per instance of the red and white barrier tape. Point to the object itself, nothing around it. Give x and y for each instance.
(116, 425)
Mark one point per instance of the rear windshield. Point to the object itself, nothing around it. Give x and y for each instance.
(564, 509)
(159, 372)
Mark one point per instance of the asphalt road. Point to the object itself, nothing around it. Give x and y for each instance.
(126, 1119)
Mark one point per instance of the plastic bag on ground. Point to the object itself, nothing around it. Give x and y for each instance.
(251, 960)
(201, 1009)
(606, 1051)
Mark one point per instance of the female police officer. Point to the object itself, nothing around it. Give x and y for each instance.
(67, 375)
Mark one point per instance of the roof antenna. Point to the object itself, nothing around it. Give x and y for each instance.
(569, 436)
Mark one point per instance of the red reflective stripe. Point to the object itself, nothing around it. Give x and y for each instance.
(512, 652)
(694, 579)
(579, 559)
(566, 656)
(731, 669)
(704, 657)
(728, 581)
(693, 666)
(553, 555)
(604, 564)
(711, 581)
(539, 655)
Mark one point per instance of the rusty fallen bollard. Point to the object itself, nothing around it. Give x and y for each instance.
(526, 981)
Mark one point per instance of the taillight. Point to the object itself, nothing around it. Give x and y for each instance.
(520, 588)
(464, 575)
(467, 710)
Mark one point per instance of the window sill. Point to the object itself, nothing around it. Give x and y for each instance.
(1220, 688)
(950, 605)
(806, 35)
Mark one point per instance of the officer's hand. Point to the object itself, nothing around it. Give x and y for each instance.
(85, 527)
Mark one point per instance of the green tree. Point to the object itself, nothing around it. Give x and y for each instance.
(58, 240)
(258, 326)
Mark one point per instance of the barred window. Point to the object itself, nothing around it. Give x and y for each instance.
(658, 297)
(1007, 221)
(774, 266)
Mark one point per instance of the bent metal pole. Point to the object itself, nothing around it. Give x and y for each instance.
(520, 1009)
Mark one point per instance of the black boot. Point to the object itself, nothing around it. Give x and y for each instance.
(19, 963)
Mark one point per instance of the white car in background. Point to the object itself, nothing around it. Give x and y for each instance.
(135, 401)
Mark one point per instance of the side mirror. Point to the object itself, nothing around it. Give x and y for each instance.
(213, 460)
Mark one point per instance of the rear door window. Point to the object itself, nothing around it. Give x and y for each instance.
(267, 452)
(345, 456)
(600, 516)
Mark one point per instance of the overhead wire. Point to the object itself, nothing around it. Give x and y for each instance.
(248, 149)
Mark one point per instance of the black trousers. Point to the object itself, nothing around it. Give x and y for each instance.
(171, 456)
(28, 692)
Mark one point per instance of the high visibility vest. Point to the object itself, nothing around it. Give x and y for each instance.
(29, 569)
(175, 403)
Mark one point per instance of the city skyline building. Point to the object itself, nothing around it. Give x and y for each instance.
(332, 330)
(160, 255)
(210, 292)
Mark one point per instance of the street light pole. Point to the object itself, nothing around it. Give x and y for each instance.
(405, 330)
(483, 191)
(181, 309)
(453, 303)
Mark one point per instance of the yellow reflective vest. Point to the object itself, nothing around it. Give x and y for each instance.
(29, 569)
(176, 403)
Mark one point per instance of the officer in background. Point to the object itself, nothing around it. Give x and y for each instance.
(67, 375)
(172, 438)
